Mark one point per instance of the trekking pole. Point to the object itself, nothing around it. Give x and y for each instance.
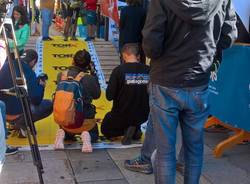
(19, 90)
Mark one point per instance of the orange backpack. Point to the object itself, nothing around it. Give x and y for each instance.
(68, 101)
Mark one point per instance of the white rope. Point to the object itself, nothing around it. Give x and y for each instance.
(97, 64)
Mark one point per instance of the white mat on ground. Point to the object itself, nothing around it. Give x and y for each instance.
(101, 145)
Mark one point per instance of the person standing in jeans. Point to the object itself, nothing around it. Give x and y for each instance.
(47, 9)
(181, 38)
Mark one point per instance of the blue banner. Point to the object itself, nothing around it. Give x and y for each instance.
(230, 94)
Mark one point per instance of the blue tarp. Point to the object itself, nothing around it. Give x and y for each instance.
(230, 94)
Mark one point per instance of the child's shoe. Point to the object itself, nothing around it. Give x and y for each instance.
(86, 142)
(59, 142)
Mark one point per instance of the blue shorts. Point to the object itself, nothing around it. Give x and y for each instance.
(91, 17)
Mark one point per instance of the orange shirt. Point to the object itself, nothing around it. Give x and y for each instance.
(49, 4)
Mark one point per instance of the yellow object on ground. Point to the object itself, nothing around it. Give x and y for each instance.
(57, 56)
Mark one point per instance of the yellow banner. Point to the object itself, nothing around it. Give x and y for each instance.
(58, 56)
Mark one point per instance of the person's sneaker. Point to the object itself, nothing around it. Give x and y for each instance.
(138, 165)
(127, 139)
(59, 142)
(11, 150)
(86, 142)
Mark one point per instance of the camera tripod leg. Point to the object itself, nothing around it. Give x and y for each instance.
(31, 133)
(20, 88)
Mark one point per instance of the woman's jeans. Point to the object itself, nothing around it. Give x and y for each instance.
(47, 16)
(168, 107)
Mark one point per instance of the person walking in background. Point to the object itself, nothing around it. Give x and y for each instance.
(181, 38)
(91, 18)
(132, 20)
(21, 27)
(72, 10)
(35, 26)
(47, 10)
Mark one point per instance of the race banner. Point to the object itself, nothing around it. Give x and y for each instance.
(109, 8)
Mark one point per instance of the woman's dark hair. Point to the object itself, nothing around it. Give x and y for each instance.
(82, 59)
(24, 18)
(134, 2)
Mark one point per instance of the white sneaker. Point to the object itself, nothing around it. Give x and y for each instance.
(59, 142)
(86, 142)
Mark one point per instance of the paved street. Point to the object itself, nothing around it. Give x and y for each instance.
(106, 167)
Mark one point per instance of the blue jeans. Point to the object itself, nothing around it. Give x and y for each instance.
(3, 112)
(47, 16)
(149, 146)
(168, 106)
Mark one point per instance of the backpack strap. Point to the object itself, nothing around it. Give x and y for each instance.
(64, 75)
(79, 76)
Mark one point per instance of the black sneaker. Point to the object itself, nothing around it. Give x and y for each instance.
(11, 150)
(138, 165)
